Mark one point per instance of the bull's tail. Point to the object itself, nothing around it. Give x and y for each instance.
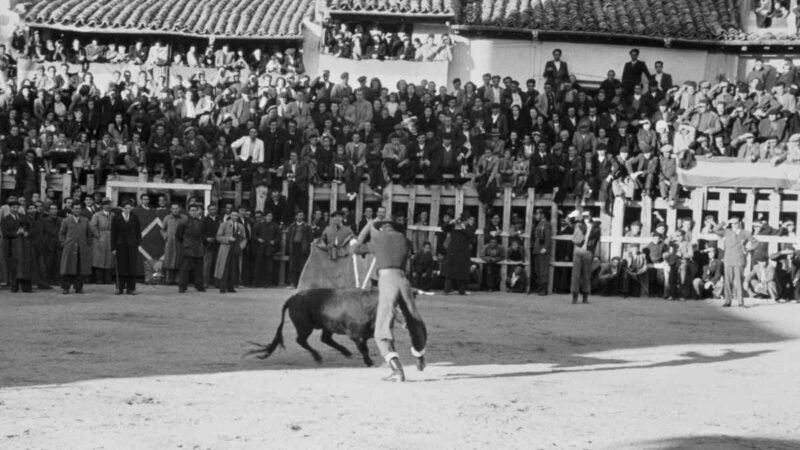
(263, 351)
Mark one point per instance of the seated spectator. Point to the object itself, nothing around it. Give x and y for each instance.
(423, 267)
(710, 283)
(493, 254)
(761, 281)
(606, 279)
(518, 281)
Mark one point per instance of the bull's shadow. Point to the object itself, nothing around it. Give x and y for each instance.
(720, 443)
(58, 339)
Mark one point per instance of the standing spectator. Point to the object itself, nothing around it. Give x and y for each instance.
(27, 178)
(632, 72)
(190, 237)
(457, 261)
(102, 259)
(266, 237)
(16, 251)
(555, 70)
(172, 248)
(298, 240)
(125, 239)
(76, 256)
(211, 223)
(585, 240)
(663, 81)
(735, 241)
(230, 235)
(541, 243)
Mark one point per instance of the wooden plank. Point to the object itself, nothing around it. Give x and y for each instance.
(66, 185)
(698, 200)
(434, 217)
(359, 204)
(506, 231)
(237, 196)
(410, 210)
(749, 215)
(459, 199)
(333, 203)
(672, 219)
(617, 227)
(646, 216)
(388, 199)
(310, 210)
(774, 216)
(552, 249)
(42, 185)
(481, 226)
(530, 206)
(723, 207)
(90, 187)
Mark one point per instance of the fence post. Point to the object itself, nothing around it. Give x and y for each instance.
(698, 205)
(310, 206)
(333, 204)
(237, 193)
(436, 198)
(66, 185)
(617, 227)
(749, 209)
(724, 205)
(388, 194)
(527, 241)
(412, 204)
(42, 185)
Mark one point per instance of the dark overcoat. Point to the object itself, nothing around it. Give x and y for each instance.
(125, 240)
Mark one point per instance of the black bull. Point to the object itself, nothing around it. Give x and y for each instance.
(336, 311)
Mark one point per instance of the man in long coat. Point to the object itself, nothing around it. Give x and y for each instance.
(76, 256)
(102, 259)
(457, 260)
(125, 239)
(15, 231)
(540, 251)
(298, 242)
(172, 249)
(230, 235)
(266, 237)
(190, 237)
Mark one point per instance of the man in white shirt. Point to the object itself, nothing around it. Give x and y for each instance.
(251, 148)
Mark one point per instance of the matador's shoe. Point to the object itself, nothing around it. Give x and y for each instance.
(421, 363)
(397, 374)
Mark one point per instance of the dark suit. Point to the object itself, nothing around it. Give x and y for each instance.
(125, 239)
(191, 238)
(17, 252)
(27, 181)
(298, 240)
(666, 82)
(266, 242)
(632, 75)
(556, 76)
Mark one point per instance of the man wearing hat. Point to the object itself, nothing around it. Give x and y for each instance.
(76, 254)
(584, 239)
(541, 243)
(102, 259)
(15, 229)
(125, 239)
(632, 72)
(335, 237)
(704, 119)
(737, 242)
(390, 248)
(342, 88)
(457, 260)
(27, 178)
(772, 126)
(190, 237)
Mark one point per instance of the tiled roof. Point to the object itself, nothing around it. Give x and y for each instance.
(686, 19)
(378, 7)
(239, 18)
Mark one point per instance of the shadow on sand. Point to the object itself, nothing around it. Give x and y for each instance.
(50, 338)
(721, 443)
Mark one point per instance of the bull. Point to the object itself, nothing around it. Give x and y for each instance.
(350, 312)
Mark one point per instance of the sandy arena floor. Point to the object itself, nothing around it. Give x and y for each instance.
(163, 371)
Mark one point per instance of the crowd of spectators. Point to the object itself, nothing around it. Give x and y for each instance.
(154, 52)
(350, 41)
(626, 139)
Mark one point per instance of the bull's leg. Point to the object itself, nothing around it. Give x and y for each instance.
(303, 332)
(361, 344)
(327, 338)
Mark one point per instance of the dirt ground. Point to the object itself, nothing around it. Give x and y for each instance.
(164, 371)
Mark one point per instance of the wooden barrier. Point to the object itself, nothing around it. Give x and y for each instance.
(775, 206)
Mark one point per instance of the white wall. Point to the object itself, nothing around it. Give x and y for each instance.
(523, 59)
(8, 20)
(312, 42)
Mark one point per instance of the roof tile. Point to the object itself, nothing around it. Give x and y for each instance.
(267, 18)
